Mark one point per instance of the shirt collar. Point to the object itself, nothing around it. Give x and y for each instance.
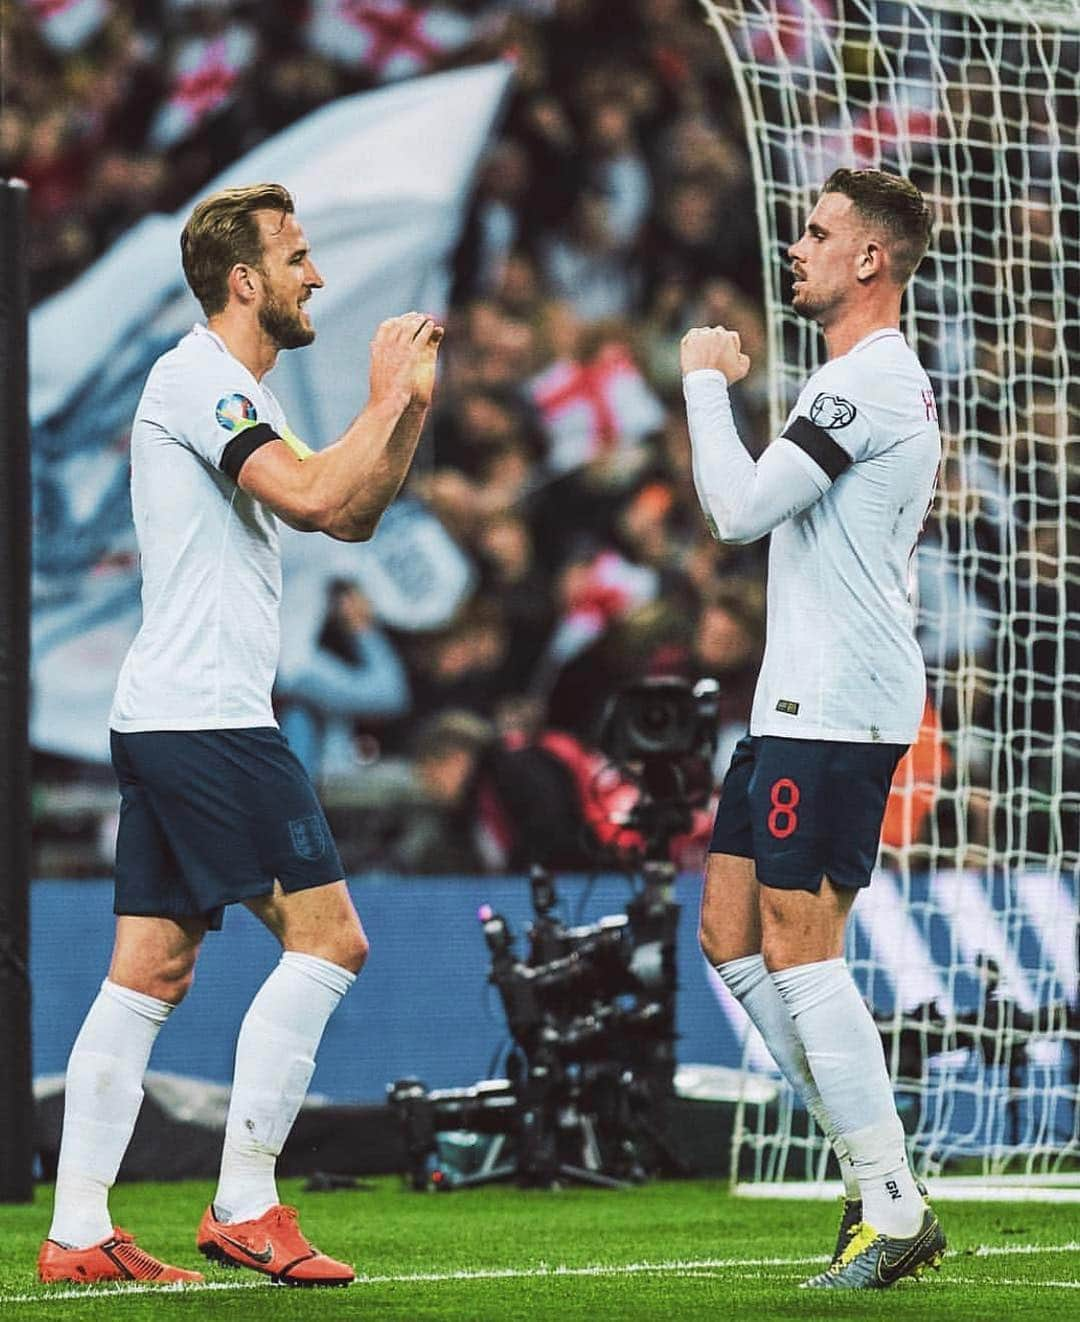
(200, 329)
(886, 332)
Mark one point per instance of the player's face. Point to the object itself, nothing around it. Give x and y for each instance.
(825, 260)
(289, 276)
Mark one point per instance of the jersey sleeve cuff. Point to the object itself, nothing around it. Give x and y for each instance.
(705, 374)
(243, 445)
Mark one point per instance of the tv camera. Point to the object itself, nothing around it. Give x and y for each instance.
(590, 1009)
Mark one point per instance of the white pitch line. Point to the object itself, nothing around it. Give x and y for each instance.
(122, 1290)
(994, 1283)
(1016, 1250)
(545, 1271)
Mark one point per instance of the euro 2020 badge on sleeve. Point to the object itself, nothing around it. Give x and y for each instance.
(235, 412)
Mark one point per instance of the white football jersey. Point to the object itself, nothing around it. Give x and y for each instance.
(207, 651)
(841, 661)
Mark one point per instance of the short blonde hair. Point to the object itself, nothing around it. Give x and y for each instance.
(221, 231)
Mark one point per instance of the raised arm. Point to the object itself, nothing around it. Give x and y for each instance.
(742, 500)
(344, 489)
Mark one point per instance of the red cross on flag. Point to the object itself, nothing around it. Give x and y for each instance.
(591, 408)
(391, 39)
(205, 73)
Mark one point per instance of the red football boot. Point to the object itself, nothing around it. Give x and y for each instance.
(272, 1244)
(117, 1258)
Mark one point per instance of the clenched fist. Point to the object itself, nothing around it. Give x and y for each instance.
(715, 347)
(403, 356)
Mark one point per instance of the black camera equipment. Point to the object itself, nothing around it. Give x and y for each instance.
(661, 733)
(591, 1009)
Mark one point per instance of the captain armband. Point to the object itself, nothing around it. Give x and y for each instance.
(815, 441)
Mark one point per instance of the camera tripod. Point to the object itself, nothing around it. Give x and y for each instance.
(591, 1014)
(523, 1146)
(532, 1124)
(529, 1156)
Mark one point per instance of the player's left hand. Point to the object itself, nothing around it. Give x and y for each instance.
(426, 340)
(716, 348)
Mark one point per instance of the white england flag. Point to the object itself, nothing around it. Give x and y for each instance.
(381, 183)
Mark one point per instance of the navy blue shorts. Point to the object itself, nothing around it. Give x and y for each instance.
(804, 809)
(211, 817)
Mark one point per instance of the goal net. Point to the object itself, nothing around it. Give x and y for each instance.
(966, 945)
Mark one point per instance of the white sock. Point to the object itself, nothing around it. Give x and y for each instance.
(748, 981)
(102, 1096)
(847, 1060)
(275, 1059)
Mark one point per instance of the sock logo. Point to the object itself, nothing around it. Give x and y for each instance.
(893, 1190)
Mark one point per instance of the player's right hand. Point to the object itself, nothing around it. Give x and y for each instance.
(403, 356)
(716, 348)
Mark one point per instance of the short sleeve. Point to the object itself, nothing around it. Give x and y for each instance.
(829, 422)
(214, 412)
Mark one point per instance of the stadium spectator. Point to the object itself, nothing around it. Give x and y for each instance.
(586, 263)
(727, 645)
(352, 677)
(514, 579)
(505, 796)
(446, 754)
(462, 665)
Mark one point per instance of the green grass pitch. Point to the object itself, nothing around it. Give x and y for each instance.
(664, 1251)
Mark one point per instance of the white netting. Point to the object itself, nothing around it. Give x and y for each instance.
(978, 103)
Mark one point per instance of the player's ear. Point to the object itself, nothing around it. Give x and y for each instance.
(872, 261)
(242, 282)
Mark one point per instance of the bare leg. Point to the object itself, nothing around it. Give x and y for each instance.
(156, 956)
(799, 927)
(322, 922)
(730, 919)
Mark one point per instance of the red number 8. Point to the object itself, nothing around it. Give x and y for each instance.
(784, 808)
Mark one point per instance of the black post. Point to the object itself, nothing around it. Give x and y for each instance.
(16, 1095)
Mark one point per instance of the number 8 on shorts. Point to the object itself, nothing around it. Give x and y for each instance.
(783, 820)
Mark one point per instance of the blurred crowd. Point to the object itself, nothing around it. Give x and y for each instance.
(614, 210)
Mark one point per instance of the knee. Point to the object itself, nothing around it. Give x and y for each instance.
(348, 949)
(354, 952)
(710, 943)
(719, 944)
(173, 979)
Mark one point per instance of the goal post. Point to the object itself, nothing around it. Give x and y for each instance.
(16, 1100)
(965, 947)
